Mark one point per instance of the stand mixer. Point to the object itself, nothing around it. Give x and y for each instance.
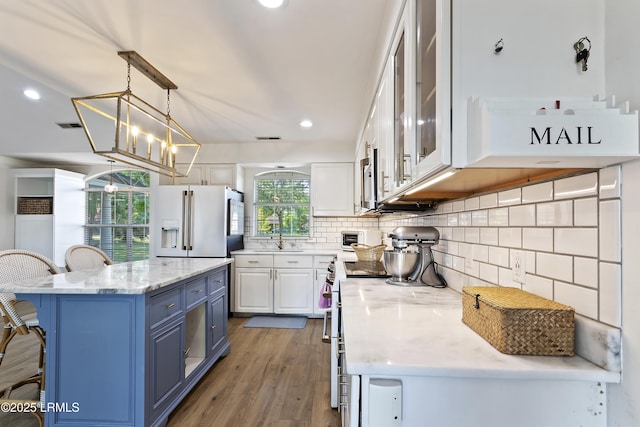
(413, 268)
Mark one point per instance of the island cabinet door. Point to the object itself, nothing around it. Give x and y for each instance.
(217, 321)
(166, 359)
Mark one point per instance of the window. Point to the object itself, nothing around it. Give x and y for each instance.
(118, 223)
(282, 204)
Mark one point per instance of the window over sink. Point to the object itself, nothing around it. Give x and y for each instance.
(282, 204)
(118, 223)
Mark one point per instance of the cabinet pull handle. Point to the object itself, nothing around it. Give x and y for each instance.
(171, 305)
(199, 291)
(186, 352)
(292, 262)
(270, 274)
(315, 272)
(219, 281)
(275, 274)
(252, 262)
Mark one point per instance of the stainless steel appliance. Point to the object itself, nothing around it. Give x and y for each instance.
(411, 260)
(196, 221)
(363, 237)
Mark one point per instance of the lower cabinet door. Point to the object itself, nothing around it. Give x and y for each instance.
(217, 322)
(293, 291)
(254, 290)
(167, 363)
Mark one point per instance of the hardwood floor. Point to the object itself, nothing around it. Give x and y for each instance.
(273, 377)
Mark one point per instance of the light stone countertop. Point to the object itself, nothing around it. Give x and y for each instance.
(276, 251)
(398, 331)
(137, 277)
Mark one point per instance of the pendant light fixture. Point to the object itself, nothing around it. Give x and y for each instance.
(111, 187)
(145, 137)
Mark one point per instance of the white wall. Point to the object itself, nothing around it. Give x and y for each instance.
(623, 69)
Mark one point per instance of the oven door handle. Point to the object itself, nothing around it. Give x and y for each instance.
(326, 338)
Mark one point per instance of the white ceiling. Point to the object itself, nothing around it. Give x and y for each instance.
(242, 70)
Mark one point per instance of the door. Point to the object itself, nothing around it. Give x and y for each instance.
(254, 290)
(293, 291)
(167, 363)
(169, 226)
(208, 232)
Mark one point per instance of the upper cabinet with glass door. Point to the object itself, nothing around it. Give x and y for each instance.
(433, 85)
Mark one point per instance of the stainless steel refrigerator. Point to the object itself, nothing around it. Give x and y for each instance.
(196, 220)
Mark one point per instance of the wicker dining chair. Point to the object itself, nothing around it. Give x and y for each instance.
(18, 265)
(82, 257)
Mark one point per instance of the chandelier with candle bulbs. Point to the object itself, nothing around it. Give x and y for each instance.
(123, 127)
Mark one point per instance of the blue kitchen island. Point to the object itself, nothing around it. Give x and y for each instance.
(127, 342)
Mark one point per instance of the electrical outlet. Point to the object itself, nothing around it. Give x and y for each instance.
(518, 267)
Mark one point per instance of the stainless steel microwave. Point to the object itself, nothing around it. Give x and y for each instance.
(363, 237)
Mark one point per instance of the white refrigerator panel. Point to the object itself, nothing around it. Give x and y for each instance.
(189, 221)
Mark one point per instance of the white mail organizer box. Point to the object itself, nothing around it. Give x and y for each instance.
(544, 132)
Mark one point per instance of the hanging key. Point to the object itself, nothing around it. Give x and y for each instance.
(582, 52)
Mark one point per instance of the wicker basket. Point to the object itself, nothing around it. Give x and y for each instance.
(368, 253)
(518, 322)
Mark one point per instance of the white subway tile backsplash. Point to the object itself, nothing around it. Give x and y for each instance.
(537, 193)
(585, 212)
(610, 294)
(458, 263)
(555, 214)
(554, 266)
(499, 217)
(464, 219)
(472, 235)
(457, 206)
(499, 256)
(489, 201)
(458, 234)
(489, 273)
(610, 182)
(510, 237)
(509, 197)
(524, 215)
(472, 268)
(610, 232)
(472, 203)
(576, 241)
(539, 286)
(505, 278)
(489, 236)
(538, 239)
(480, 218)
(576, 186)
(583, 300)
(453, 220)
(585, 272)
(530, 262)
(481, 253)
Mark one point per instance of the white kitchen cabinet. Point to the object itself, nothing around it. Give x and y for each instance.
(228, 174)
(50, 211)
(280, 284)
(332, 189)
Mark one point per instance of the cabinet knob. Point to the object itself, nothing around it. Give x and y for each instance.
(213, 326)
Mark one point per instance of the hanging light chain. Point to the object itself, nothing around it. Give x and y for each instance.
(168, 102)
(128, 76)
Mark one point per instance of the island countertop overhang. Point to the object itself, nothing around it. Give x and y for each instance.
(128, 278)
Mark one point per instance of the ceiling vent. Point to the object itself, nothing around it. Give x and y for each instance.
(69, 125)
(268, 138)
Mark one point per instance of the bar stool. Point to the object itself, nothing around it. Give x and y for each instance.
(82, 257)
(18, 265)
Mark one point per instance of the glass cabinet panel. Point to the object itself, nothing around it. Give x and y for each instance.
(399, 113)
(426, 77)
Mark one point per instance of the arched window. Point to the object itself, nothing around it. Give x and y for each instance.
(282, 204)
(118, 223)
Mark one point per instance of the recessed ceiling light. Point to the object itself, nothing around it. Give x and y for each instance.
(306, 123)
(271, 4)
(31, 94)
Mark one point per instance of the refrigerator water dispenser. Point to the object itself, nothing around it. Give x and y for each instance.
(170, 230)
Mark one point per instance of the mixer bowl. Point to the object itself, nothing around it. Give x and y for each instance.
(400, 264)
